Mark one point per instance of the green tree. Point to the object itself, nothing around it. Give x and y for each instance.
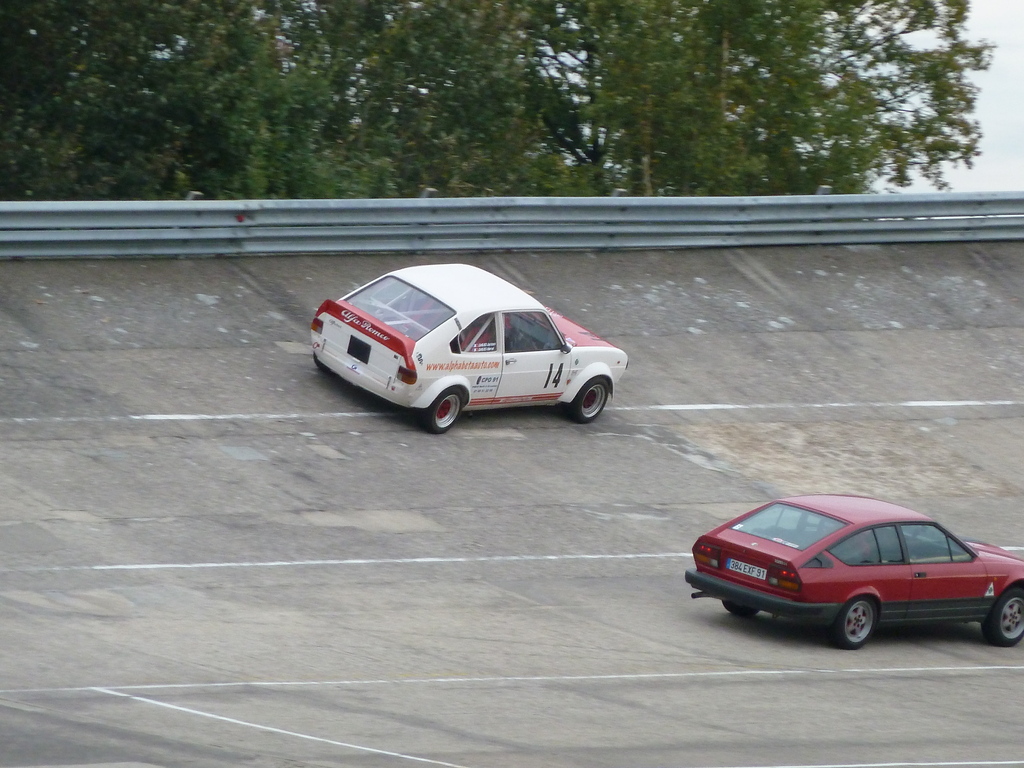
(440, 98)
(125, 99)
(756, 96)
(336, 98)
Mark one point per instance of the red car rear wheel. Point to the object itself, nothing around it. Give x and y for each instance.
(855, 623)
(743, 611)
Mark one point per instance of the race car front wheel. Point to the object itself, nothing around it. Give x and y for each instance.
(590, 400)
(443, 412)
(1004, 625)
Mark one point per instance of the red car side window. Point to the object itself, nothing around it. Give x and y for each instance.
(859, 549)
(929, 544)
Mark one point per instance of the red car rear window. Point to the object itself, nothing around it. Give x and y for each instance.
(792, 526)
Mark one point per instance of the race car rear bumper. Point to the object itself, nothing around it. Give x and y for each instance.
(713, 586)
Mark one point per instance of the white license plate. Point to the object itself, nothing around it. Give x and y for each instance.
(746, 568)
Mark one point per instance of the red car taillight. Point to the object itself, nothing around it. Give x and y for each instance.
(707, 554)
(407, 375)
(317, 326)
(785, 577)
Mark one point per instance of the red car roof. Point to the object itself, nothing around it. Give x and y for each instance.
(859, 510)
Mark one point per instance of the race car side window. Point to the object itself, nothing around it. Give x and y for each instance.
(929, 544)
(478, 336)
(530, 332)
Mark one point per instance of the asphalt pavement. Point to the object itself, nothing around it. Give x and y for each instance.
(213, 555)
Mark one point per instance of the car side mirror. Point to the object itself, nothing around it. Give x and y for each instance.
(566, 347)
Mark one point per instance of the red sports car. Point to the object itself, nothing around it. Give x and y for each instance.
(851, 563)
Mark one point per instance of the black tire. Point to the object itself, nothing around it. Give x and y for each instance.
(444, 411)
(743, 611)
(855, 623)
(590, 400)
(320, 364)
(1004, 625)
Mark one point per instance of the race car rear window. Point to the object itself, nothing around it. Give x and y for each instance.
(795, 527)
(408, 310)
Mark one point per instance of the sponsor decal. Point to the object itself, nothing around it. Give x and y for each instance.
(485, 385)
(351, 318)
(465, 365)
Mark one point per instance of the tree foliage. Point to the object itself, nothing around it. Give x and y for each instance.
(378, 98)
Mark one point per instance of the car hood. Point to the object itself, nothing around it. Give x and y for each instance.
(992, 552)
(576, 333)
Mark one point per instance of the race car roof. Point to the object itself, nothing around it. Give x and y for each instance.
(467, 289)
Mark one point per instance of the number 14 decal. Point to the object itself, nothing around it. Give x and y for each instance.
(557, 375)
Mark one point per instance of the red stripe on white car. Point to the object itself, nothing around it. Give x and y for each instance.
(579, 335)
(516, 399)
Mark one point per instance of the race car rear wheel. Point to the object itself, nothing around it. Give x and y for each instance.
(1004, 625)
(320, 364)
(854, 624)
(443, 412)
(743, 611)
(590, 400)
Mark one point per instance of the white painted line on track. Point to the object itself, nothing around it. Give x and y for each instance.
(353, 561)
(885, 765)
(650, 676)
(364, 414)
(280, 731)
(186, 417)
(797, 406)
(361, 561)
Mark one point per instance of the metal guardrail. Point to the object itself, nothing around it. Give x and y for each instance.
(236, 227)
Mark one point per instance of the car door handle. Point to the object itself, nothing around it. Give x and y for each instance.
(920, 574)
(509, 361)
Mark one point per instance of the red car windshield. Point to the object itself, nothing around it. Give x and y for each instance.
(792, 526)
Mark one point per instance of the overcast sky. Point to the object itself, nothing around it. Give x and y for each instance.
(1000, 106)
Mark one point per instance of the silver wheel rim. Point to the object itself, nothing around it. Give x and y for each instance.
(447, 411)
(593, 400)
(1011, 620)
(859, 620)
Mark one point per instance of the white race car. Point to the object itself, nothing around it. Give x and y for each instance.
(445, 338)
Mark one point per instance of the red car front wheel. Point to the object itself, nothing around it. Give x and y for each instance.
(1004, 625)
